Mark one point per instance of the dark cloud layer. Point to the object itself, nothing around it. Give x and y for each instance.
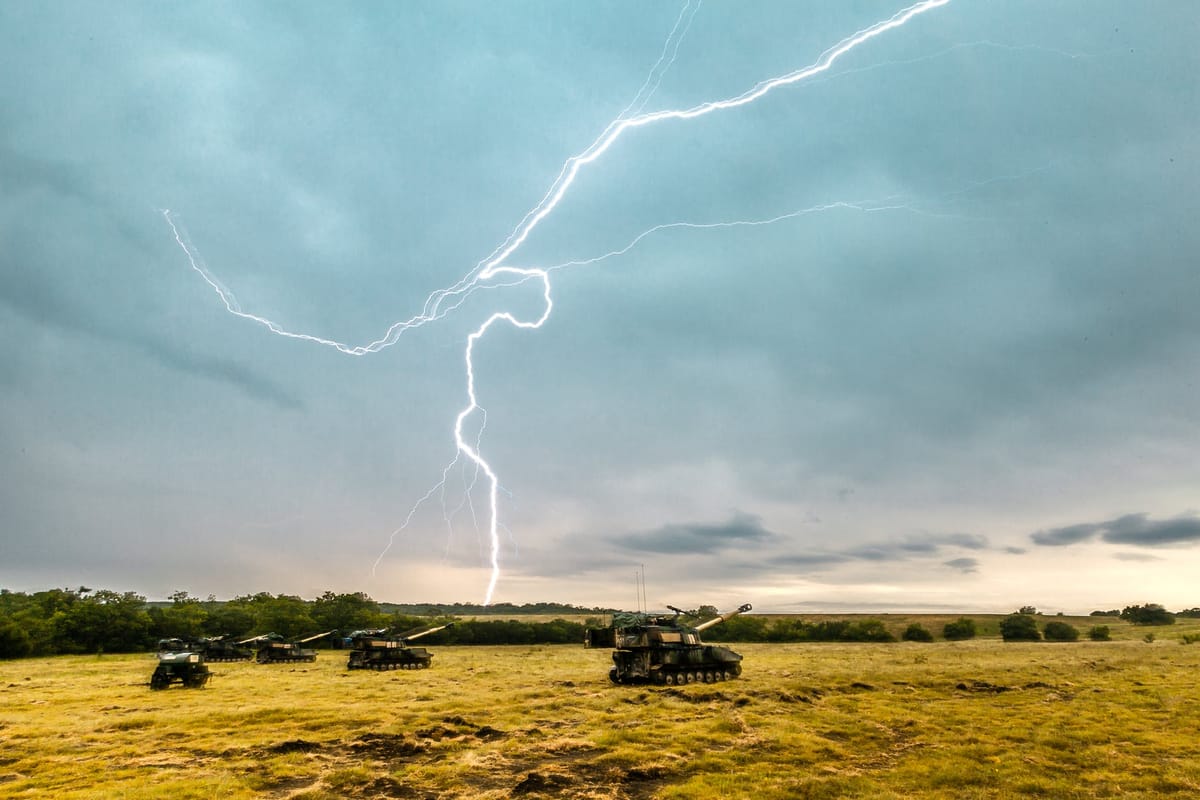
(29, 296)
(740, 531)
(1131, 529)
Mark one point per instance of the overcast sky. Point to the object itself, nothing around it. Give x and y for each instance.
(958, 371)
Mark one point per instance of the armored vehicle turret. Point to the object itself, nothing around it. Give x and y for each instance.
(660, 649)
(213, 648)
(183, 667)
(274, 649)
(378, 650)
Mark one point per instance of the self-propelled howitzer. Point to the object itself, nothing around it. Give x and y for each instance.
(274, 649)
(658, 648)
(378, 650)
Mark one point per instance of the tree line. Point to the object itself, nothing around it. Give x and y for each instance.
(83, 620)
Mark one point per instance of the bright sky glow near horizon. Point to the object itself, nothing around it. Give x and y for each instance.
(914, 333)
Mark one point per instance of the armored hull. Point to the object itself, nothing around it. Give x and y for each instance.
(186, 668)
(383, 654)
(280, 652)
(216, 648)
(274, 649)
(379, 651)
(661, 650)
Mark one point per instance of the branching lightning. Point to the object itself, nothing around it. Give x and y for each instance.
(494, 270)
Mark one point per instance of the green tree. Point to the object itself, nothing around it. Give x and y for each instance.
(185, 618)
(234, 619)
(14, 642)
(959, 630)
(1019, 628)
(103, 621)
(346, 612)
(916, 632)
(1099, 633)
(867, 630)
(1148, 614)
(286, 615)
(1058, 631)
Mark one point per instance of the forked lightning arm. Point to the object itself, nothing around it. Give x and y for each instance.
(492, 271)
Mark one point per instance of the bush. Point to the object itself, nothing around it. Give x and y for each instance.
(1149, 614)
(867, 630)
(1099, 633)
(14, 642)
(1019, 628)
(916, 633)
(1189, 638)
(1060, 632)
(961, 628)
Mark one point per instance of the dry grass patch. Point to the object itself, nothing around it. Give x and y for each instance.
(978, 719)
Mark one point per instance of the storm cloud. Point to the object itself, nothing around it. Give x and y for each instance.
(904, 313)
(1130, 529)
(740, 531)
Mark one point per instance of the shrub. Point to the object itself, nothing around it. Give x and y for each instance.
(1019, 628)
(1148, 638)
(867, 630)
(1057, 631)
(14, 642)
(1148, 614)
(961, 628)
(1189, 638)
(916, 633)
(1099, 633)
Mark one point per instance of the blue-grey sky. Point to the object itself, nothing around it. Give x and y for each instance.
(965, 378)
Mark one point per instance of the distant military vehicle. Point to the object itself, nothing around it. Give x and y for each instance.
(213, 648)
(658, 648)
(376, 649)
(275, 649)
(183, 667)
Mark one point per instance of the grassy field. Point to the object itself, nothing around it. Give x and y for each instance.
(977, 719)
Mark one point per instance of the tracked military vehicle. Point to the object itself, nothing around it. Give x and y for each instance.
(223, 648)
(376, 649)
(274, 649)
(183, 667)
(213, 648)
(660, 649)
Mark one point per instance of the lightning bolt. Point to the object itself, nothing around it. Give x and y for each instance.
(494, 272)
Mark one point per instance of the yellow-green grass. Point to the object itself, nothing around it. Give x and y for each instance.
(977, 719)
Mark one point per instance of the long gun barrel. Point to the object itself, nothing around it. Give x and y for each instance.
(428, 631)
(703, 626)
(315, 636)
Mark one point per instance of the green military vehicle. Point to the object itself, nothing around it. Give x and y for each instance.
(659, 649)
(275, 649)
(377, 650)
(183, 667)
(213, 648)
